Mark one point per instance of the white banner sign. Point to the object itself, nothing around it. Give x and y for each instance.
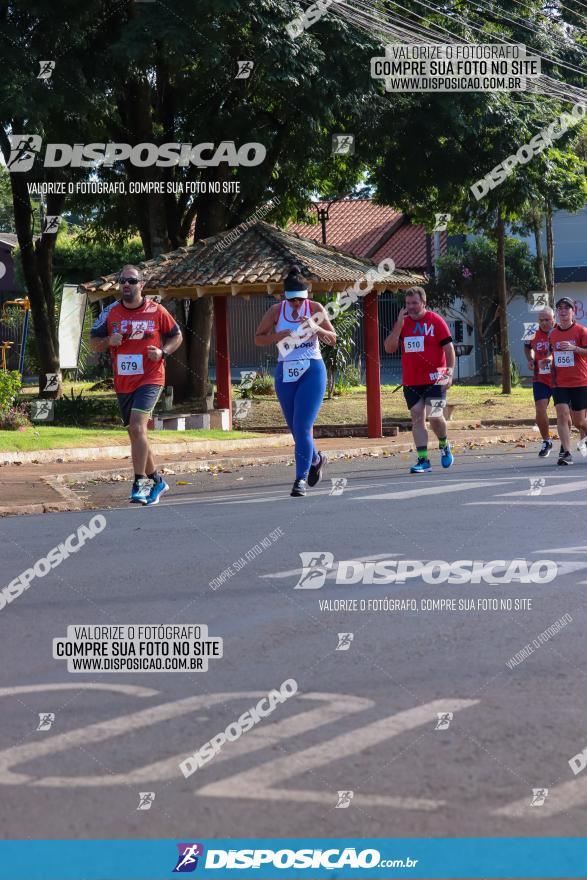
(71, 322)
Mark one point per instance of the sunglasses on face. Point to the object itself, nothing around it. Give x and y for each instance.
(130, 280)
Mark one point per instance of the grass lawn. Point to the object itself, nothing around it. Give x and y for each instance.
(32, 391)
(479, 402)
(41, 437)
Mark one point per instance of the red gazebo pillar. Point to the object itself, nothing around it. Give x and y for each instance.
(223, 395)
(372, 364)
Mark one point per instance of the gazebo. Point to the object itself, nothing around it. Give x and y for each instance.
(255, 261)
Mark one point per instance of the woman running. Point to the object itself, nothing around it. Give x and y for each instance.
(295, 325)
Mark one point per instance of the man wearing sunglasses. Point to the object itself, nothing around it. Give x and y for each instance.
(140, 334)
(568, 344)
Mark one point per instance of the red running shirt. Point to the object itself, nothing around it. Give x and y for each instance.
(540, 344)
(147, 325)
(569, 368)
(422, 349)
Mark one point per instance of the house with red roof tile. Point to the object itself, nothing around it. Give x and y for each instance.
(376, 232)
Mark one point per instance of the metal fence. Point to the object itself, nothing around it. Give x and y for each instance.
(11, 328)
(244, 317)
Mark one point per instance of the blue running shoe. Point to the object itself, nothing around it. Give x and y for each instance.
(139, 492)
(421, 468)
(157, 490)
(446, 456)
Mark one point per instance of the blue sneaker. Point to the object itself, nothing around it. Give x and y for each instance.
(139, 492)
(421, 468)
(446, 456)
(157, 490)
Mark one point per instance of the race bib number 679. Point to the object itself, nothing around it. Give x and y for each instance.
(129, 364)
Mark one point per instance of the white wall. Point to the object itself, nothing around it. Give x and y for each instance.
(455, 313)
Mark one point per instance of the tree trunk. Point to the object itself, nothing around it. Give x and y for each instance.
(537, 227)
(211, 218)
(506, 377)
(549, 256)
(199, 328)
(37, 266)
(482, 337)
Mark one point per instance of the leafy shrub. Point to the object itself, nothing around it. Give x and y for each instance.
(338, 358)
(10, 385)
(80, 412)
(13, 418)
(263, 384)
(348, 378)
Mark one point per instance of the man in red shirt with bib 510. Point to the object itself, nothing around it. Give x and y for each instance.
(140, 334)
(428, 359)
(568, 344)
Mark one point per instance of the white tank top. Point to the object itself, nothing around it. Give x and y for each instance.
(310, 347)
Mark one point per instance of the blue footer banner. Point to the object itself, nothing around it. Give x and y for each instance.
(561, 857)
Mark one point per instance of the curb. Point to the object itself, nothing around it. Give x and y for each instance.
(61, 482)
(182, 467)
(95, 453)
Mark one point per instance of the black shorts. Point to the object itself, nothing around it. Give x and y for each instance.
(415, 393)
(541, 390)
(575, 398)
(142, 399)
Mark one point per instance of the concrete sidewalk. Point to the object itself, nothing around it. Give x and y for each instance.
(45, 487)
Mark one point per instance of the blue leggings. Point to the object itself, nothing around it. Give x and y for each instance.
(301, 402)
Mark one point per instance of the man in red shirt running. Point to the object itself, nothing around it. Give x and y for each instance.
(428, 359)
(568, 344)
(140, 334)
(539, 358)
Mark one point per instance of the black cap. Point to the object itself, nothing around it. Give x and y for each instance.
(565, 301)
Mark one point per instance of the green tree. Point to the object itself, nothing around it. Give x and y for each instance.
(6, 209)
(469, 272)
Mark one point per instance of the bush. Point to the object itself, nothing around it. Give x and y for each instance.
(13, 418)
(80, 412)
(339, 358)
(10, 385)
(348, 379)
(262, 385)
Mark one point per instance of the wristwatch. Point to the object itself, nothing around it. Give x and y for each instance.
(164, 354)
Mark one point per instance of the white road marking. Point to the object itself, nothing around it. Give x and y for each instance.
(259, 783)
(335, 707)
(131, 689)
(559, 799)
(530, 502)
(580, 486)
(284, 493)
(581, 548)
(331, 574)
(428, 490)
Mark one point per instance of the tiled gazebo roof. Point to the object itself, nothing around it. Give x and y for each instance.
(257, 260)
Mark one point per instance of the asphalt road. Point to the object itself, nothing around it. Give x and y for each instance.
(365, 717)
